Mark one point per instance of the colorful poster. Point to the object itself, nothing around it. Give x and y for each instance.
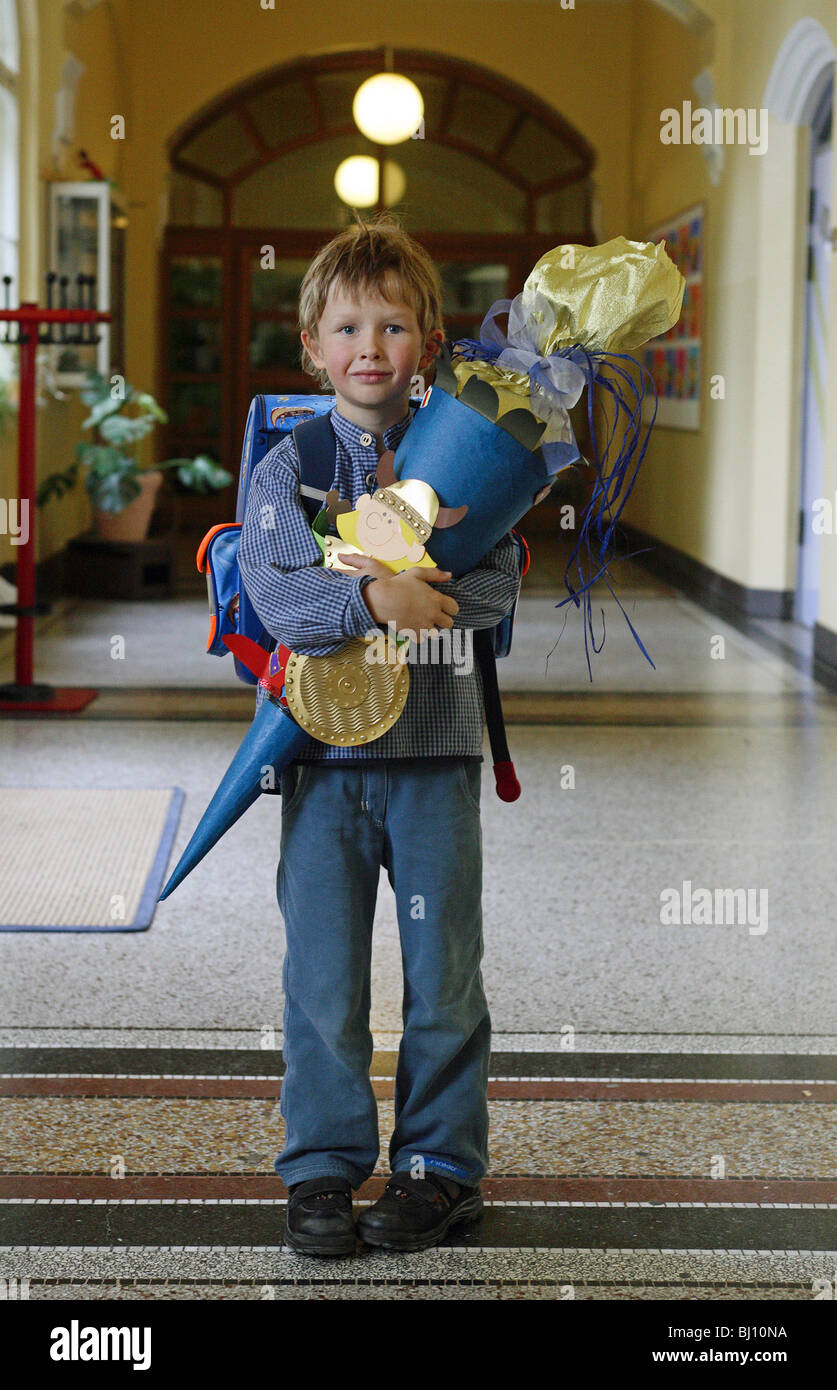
(674, 360)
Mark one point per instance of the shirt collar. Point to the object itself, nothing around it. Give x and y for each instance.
(350, 433)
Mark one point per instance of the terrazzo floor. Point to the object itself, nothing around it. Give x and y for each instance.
(662, 1097)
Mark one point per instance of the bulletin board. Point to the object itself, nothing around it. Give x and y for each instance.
(675, 359)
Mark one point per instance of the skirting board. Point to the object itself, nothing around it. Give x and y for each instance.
(714, 591)
(729, 599)
(825, 656)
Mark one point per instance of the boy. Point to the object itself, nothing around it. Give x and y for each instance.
(370, 319)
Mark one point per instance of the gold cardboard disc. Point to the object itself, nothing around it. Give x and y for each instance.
(343, 699)
(346, 686)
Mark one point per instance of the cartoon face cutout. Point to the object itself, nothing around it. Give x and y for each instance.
(378, 531)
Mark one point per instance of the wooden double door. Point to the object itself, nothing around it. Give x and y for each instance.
(228, 315)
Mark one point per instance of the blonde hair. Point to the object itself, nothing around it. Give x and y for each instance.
(376, 255)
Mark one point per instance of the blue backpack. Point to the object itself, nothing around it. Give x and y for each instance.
(270, 418)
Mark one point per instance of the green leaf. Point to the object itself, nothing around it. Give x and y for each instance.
(199, 474)
(96, 388)
(102, 409)
(108, 460)
(122, 429)
(147, 402)
(56, 485)
(112, 486)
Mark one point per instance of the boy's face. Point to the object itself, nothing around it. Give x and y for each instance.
(371, 348)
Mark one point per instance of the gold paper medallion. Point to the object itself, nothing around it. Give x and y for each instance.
(343, 699)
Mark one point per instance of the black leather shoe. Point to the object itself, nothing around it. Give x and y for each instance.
(415, 1213)
(319, 1218)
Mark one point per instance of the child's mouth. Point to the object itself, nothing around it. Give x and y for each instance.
(370, 376)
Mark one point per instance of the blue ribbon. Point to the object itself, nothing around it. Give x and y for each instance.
(553, 384)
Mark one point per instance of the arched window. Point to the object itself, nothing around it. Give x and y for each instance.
(490, 156)
(494, 179)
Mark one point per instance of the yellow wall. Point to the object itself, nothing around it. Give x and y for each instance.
(57, 422)
(723, 494)
(541, 46)
(157, 63)
(728, 495)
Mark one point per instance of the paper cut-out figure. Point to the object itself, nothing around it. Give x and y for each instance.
(391, 525)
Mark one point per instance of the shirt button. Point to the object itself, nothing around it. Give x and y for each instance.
(366, 439)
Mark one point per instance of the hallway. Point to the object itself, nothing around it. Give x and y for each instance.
(662, 1096)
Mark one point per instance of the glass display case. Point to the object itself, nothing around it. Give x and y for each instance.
(87, 237)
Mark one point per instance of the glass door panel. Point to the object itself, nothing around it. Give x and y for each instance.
(197, 356)
(468, 290)
(274, 345)
(195, 282)
(194, 345)
(472, 287)
(195, 408)
(277, 290)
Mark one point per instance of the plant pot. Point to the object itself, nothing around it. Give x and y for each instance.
(132, 523)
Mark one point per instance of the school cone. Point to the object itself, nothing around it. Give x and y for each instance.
(273, 740)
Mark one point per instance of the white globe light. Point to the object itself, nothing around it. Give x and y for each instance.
(388, 108)
(356, 181)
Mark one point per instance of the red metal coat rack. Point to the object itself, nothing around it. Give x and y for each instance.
(24, 696)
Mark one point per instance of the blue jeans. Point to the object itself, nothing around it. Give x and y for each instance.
(339, 825)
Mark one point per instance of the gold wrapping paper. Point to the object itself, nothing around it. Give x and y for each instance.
(512, 387)
(612, 298)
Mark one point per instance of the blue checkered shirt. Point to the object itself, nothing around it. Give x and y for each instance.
(315, 611)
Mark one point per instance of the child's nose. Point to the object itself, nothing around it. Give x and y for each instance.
(371, 346)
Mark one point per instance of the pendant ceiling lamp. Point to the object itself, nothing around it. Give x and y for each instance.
(388, 108)
(356, 181)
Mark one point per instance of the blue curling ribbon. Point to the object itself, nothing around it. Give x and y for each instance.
(628, 400)
(609, 485)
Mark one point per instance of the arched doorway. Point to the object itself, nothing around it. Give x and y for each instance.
(815, 364)
(497, 178)
(794, 95)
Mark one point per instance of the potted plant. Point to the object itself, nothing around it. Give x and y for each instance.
(123, 494)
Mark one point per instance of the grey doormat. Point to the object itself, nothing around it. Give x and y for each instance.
(84, 859)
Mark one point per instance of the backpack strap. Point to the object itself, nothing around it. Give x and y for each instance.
(316, 448)
(507, 785)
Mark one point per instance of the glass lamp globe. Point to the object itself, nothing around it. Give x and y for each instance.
(356, 181)
(388, 108)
